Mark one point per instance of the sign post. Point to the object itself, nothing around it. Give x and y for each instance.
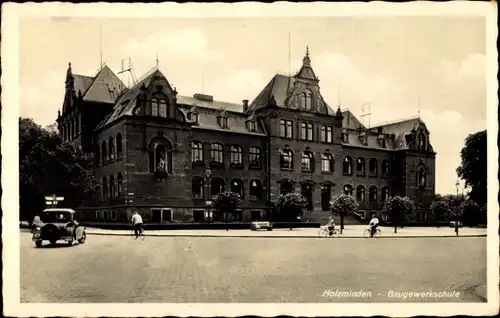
(53, 200)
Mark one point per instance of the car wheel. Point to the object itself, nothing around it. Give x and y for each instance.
(83, 238)
(38, 243)
(52, 242)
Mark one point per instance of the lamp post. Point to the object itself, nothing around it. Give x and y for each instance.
(208, 202)
(457, 185)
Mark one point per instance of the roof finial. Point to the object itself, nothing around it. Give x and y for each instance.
(157, 61)
(307, 50)
(306, 61)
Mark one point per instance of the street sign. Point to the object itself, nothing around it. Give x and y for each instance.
(130, 193)
(54, 198)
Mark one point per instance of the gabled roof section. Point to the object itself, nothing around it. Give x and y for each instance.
(350, 121)
(105, 88)
(278, 88)
(400, 129)
(306, 70)
(82, 83)
(193, 101)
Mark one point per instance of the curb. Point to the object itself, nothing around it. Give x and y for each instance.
(285, 236)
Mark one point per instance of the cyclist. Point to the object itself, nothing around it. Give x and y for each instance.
(374, 222)
(331, 225)
(137, 223)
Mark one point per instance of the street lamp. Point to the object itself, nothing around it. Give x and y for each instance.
(457, 185)
(208, 174)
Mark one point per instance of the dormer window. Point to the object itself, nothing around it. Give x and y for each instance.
(193, 117)
(307, 100)
(223, 122)
(223, 119)
(381, 141)
(252, 126)
(363, 139)
(345, 136)
(421, 142)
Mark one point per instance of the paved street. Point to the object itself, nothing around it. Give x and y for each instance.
(229, 269)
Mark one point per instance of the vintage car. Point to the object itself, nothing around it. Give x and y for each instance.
(58, 224)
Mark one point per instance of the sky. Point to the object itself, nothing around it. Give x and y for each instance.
(398, 65)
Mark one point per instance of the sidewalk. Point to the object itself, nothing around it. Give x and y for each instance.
(350, 231)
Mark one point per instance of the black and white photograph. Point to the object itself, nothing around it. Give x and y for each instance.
(310, 159)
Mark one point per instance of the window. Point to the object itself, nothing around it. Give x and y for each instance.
(197, 187)
(345, 137)
(97, 155)
(77, 124)
(223, 122)
(237, 187)
(347, 165)
(119, 147)
(255, 157)
(163, 108)
(360, 166)
(217, 153)
(111, 149)
(195, 118)
(255, 190)
(421, 177)
(104, 188)
(421, 144)
(327, 162)
(372, 166)
(104, 153)
(154, 107)
(217, 186)
(348, 189)
(360, 194)
(113, 215)
(286, 159)
(327, 134)
(385, 168)
(373, 194)
(286, 187)
(236, 158)
(307, 100)
(196, 152)
(364, 140)
(286, 128)
(385, 194)
(252, 126)
(112, 186)
(307, 161)
(98, 214)
(306, 131)
(160, 158)
(120, 185)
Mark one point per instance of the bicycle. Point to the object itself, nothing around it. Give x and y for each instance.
(376, 234)
(141, 234)
(325, 232)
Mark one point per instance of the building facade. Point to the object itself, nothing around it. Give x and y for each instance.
(166, 155)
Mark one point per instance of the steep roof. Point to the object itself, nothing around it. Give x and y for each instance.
(105, 87)
(350, 121)
(400, 129)
(82, 83)
(278, 87)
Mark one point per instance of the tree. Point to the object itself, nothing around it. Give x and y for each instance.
(290, 206)
(226, 202)
(47, 166)
(343, 205)
(470, 212)
(440, 209)
(397, 208)
(473, 167)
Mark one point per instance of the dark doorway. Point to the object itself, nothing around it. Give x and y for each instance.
(156, 215)
(198, 215)
(326, 195)
(255, 215)
(307, 192)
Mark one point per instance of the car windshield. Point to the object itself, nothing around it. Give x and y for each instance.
(56, 216)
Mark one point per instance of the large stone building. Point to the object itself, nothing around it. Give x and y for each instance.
(166, 154)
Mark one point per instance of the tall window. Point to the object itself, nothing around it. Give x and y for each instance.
(307, 161)
(223, 122)
(421, 177)
(104, 153)
(345, 137)
(196, 152)
(286, 128)
(236, 156)
(327, 162)
(360, 166)
(385, 194)
(111, 149)
(119, 189)
(286, 159)
(154, 107)
(348, 189)
(217, 186)
(97, 155)
(286, 187)
(373, 167)
(306, 131)
(216, 153)
(360, 194)
(104, 188)
(163, 108)
(160, 158)
(252, 126)
(111, 186)
(327, 134)
(197, 187)
(237, 187)
(385, 168)
(347, 165)
(119, 147)
(255, 190)
(307, 100)
(255, 158)
(373, 194)
(421, 145)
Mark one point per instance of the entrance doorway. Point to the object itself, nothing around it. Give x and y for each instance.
(198, 215)
(307, 192)
(161, 215)
(326, 196)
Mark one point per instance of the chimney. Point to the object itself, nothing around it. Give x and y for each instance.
(245, 105)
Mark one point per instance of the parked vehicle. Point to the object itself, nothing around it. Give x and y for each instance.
(58, 224)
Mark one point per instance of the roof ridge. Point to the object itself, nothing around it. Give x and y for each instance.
(398, 121)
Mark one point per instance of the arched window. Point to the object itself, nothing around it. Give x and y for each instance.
(217, 186)
(307, 161)
(255, 158)
(360, 166)
(111, 146)
(104, 188)
(348, 189)
(236, 156)
(307, 100)
(196, 152)
(286, 159)
(385, 194)
(372, 166)
(360, 194)
(217, 153)
(111, 186)
(119, 147)
(286, 187)
(197, 187)
(307, 189)
(421, 177)
(421, 142)
(163, 108)
(373, 194)
(154, 107)
(327, 162)
(326, 195)
(97, 155)
(160, 156)
(120, 185)
(255, 190)
(347, 165)
(237, 187)
(385, 168)
(104, 153)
